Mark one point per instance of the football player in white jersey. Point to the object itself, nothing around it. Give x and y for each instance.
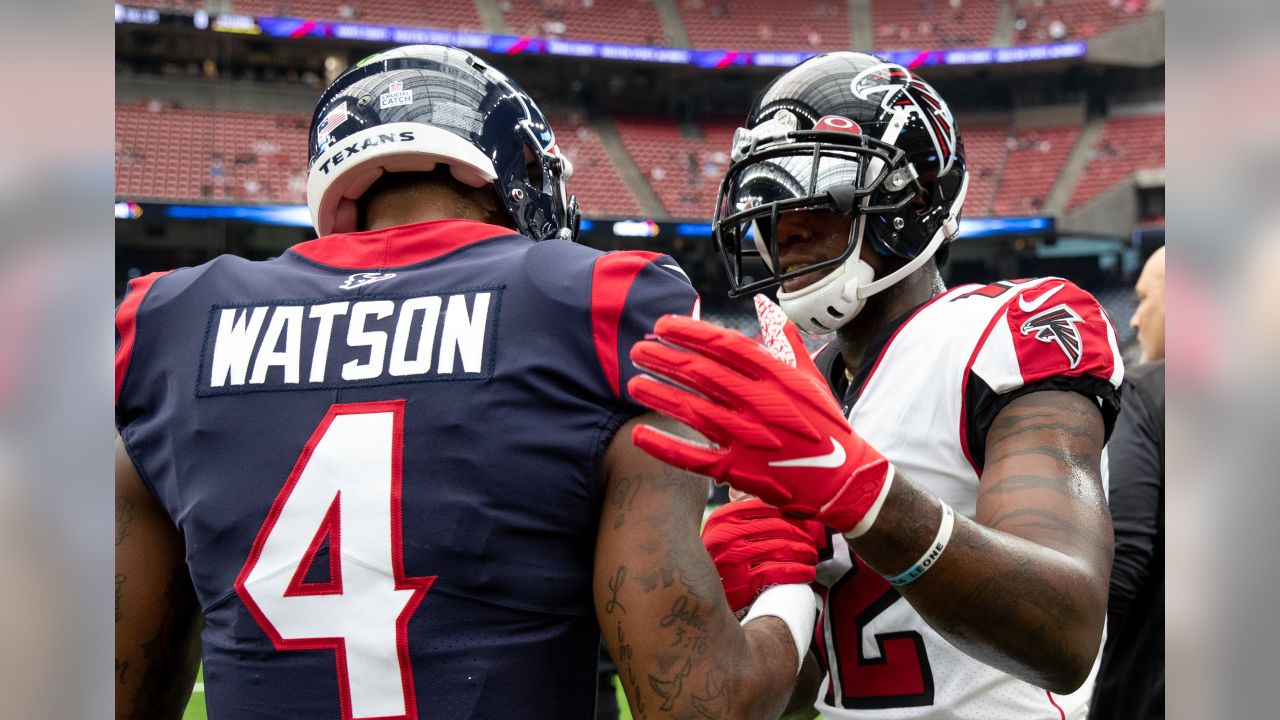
(949, 439)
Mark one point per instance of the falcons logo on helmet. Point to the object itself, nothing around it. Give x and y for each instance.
(1057, 325)
(902, 88)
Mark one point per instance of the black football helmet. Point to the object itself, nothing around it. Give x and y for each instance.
(853, 134)
(407, 109)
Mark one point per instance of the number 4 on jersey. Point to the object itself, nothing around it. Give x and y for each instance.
(345, 487)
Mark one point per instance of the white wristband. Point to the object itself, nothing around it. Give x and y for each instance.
(794, 605)
(931, 555)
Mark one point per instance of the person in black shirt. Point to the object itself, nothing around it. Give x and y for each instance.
(1131, 680)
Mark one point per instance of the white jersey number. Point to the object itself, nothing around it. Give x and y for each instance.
(345, 487)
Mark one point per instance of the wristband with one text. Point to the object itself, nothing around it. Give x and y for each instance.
(931, 555)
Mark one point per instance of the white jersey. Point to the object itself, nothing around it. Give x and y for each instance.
(925, 401)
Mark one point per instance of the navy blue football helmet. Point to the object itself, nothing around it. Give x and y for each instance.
(411, 108)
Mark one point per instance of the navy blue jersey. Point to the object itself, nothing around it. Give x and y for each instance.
(383, 451)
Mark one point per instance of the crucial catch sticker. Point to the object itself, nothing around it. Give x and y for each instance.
(395, 96)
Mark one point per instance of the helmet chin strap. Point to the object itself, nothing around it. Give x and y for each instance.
(832, 300)
(950, 226)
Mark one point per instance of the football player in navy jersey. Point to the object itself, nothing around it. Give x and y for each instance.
(949, 439)
(389, 474)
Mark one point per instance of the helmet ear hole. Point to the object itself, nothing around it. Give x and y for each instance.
(534, 168)
(923, 200)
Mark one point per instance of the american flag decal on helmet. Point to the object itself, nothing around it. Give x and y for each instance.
(1058, 325)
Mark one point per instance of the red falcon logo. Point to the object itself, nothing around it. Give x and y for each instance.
(1057, 325)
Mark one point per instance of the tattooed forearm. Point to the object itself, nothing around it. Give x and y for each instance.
(120, 578)
(170, 659)
(685, 612)
(615, 585)
(680, 653)
(625, 660)
(622, 498)
(125, 513)
(713, 703)
(689, 623)
(669, 689)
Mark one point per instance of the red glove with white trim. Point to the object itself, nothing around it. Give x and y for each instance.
(755, 548)
(778, 432)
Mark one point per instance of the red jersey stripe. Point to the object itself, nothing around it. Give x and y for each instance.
(611, 281)
(397, 246)
(127, 323)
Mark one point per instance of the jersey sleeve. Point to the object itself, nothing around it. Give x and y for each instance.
(127, 330)
(1050, 335)
(630, 290)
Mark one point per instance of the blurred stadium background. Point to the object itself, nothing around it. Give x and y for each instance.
(1061, 104)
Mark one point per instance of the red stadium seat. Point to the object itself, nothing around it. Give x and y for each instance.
(684, 171)
(219, 155)
(596, 183)
(629, 22)
(985, 152)
(1127, 144)
(170, 153)
(930, 24)
(760, 25)
(1035, 160)
(1048, 21)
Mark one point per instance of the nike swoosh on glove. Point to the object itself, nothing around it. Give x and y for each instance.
(755, 548)
(778, 432)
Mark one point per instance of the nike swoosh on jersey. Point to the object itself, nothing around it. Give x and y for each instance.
(833, 459)
(1035, 304)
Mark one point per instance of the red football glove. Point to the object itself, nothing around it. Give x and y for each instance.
(754, 548)
(778, 432)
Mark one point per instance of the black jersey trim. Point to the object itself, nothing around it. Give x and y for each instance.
(982, 405)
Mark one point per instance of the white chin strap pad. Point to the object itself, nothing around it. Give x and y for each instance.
(340, 176)
(826, 305)
(830, 302)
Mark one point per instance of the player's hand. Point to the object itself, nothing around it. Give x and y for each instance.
(754, 548)
(778, 432)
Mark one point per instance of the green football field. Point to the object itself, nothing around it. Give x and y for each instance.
(196, 711)
(195, 708)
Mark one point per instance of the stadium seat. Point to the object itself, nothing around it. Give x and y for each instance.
(629, 22)
(760, 25)
(1048, 21)
(685, 172)
(930, 24)
(985, 152)
(1035, 160)
(166, 152)
(1127, 144)
(596, 182)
